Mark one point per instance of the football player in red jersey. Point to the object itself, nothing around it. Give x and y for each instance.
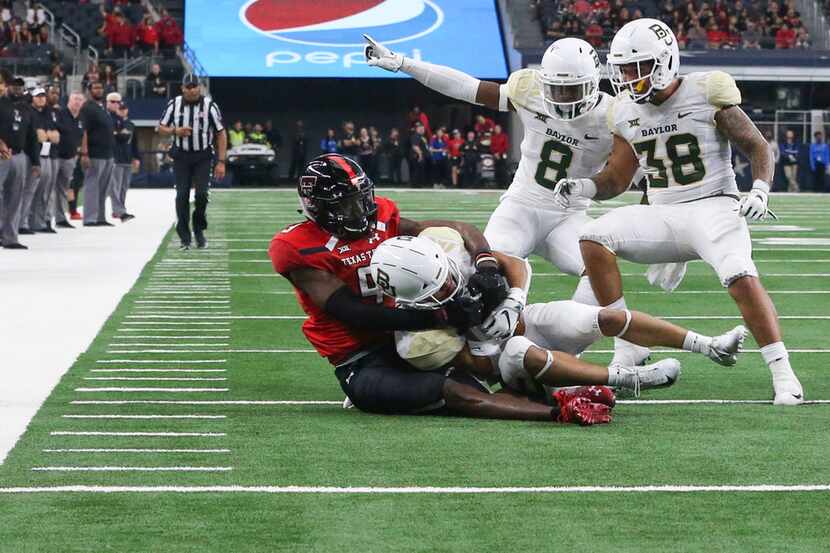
(327, 258)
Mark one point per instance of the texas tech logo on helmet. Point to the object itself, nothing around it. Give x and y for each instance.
(307, 183)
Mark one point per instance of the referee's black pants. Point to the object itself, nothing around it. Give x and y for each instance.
(191, 168)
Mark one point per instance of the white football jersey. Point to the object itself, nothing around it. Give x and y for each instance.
(553, 149)
(678, 146)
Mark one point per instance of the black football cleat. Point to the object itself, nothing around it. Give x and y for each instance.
(15, 246)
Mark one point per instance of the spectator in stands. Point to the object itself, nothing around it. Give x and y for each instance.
(249, 128)
(366, 151)
(499, 146)
(299, 151)
(377, 145)
(483, 125)
(819, 160)
(439, 154)
(258, 136)
(556, 31)
(785, 37)
(328, 145)
(236, 136)
(593, 33)
(715, 38)
(348, 142)
(273, 135)
(108, 79)
(394, 152)
(57, 78)
(154, 84)
(122, 36)
(418, 116)
(454, 144)
(169, 32)
(35, 18)
(92, 75)
(418, 155)
(790, 151)
(802, 40)
(697, 37)
(469, 160)
(751, 36)
(147, 36)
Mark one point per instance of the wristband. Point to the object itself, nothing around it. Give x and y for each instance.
(485, 257)
(761, 185)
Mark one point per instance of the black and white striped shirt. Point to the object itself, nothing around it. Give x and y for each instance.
(203, 117)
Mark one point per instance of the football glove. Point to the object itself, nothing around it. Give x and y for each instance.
(490, 284)
(754, 204)
(584, 412)
(502, 321)
(566, 189)
(463, 312)
(378, 55)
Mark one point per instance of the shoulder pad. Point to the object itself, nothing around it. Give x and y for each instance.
(521, 85)
(721, 90)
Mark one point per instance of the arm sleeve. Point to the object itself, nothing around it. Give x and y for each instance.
(167, 115)
(344, 306)
(520, 86)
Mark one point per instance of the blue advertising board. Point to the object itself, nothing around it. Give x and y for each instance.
(323, 38)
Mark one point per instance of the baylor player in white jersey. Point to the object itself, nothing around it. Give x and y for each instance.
(679, 131)
(564, 117)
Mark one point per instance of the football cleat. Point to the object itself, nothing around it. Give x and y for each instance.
(628, 354)
(596, 394)
(788, 390)
(725, 348)
(584, 412)
(661, 374)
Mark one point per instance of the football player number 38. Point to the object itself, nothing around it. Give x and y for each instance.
(556, 158)
(683, 151)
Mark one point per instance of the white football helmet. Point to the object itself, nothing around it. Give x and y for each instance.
(416, 272)
(649, 46)
(570, 78)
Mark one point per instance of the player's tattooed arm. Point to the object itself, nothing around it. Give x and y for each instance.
(742, 132)
(615, 177)
(489, 95)
(474, 240)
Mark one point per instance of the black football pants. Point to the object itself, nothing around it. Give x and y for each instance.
(191, 168)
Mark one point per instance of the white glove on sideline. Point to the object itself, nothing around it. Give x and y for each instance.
(378, 55)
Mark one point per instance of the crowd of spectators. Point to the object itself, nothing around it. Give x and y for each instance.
(29, 27)
(438, 158)
(124, 37)
(717, 24)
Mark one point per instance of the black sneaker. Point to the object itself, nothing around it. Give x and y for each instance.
(15, 246)
(126, 217)
(46, 230)
(105, 224)
(25, 231)
(64, 224)
(201, 241)
(184, 247)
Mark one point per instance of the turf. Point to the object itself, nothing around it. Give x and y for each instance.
(323, 445)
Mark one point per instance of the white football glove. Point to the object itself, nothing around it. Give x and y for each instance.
(378, 55)
(566, 189)
(754, 204)
(501, 323)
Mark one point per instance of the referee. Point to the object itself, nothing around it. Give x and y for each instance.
(196, 123)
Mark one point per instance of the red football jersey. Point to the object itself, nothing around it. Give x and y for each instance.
(306, 245)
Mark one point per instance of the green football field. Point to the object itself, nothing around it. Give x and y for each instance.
(200, 420)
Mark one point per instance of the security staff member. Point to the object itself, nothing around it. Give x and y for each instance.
(97, 147)
(72, 131)
(196, 123)
(25, 148)
(127, 161)
(10, 190)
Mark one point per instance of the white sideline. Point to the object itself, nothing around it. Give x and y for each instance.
(87, 269)
(161, 361)
(737, 488)
(142, 417)
(168, 390)
(157, 370)
(132, 450)
(154, 379)
(154, 434)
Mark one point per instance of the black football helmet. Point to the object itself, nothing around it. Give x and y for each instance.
(336, 194)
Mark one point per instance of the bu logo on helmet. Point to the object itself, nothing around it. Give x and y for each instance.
(342, 23)
(662, 33)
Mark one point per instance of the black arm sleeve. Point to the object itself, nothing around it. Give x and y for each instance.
(344, 306)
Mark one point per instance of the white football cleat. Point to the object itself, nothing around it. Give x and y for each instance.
(661, 374)
(788, 390)
(628, 354)
(724, 349)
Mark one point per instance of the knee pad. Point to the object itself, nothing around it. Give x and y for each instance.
(512, 364)
(733, 267)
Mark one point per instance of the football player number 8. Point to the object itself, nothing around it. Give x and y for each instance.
(548, 163)
(680, 162)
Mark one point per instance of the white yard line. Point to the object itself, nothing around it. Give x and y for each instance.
(180, 302)
(142, 417)
(364, 490)
(174, 324)
(158, 370)
(161, 361)
(132, 450)
(132, 469)
(169, 344)
(143, 337)
(276, 402)
(144, 434)
(166, 390)
(155, 379)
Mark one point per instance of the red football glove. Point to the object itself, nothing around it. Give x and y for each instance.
(595, 394)
(583, 412)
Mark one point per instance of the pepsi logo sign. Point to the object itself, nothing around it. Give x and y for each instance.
(341, 23)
